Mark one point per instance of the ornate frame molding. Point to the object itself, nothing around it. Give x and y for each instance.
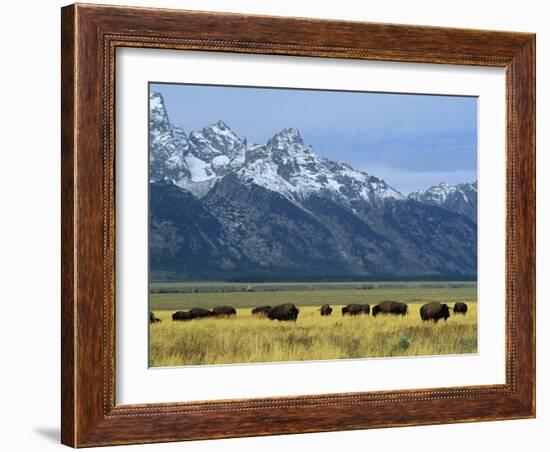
(90, 37)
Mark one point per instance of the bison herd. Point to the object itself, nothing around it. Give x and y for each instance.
(433, 311)
(200, 313)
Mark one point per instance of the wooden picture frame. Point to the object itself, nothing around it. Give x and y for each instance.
(90, 36)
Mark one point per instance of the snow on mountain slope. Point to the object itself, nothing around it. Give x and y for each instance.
(214, 151)
(166, 144)
(460, 198)
(279, 209)
(285, 164)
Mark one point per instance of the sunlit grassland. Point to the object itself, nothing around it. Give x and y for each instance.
(248, 339)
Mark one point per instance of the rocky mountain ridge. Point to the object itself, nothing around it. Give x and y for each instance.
(460, 198)
(222, 207)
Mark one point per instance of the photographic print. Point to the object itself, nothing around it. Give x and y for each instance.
(297, 224)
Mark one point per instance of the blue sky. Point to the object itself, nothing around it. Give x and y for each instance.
(411, 141)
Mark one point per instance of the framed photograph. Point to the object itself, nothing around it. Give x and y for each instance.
(281, 225)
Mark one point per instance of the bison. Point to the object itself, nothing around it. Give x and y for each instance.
(261, 310)
(224, 311)
(434, 311)
(199, 313)
(460, 308)
(153, 318)
(182, 315)
(287, 311)
(356, 309)
(390, 307)
(326, 310)
(193, 313)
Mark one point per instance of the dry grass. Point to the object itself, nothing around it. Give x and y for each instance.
(248, 339)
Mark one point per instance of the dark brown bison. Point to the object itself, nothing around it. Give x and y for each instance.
(460, 308)
(193, 313)
(199, 313)
(390, 307)
(261, 310)
(224, 311)
(434, 311)
(287, 311)
(356, 309)
(182, 315)
(326, 309)
(153, 318)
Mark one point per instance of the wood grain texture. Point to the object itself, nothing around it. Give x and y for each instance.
(90, 36)
(68, 331)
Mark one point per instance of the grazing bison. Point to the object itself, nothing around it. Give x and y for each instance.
(261, 310)
(153, 318)
(460, 308)
(224, 311)
(199, 313)
(182, 315)
(434, 311)
(390, 307)
(193, 313)
(326, 309)
(287, 311)
(356, 309)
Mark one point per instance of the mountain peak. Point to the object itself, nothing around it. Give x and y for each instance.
(285, 164)
(158, 110)
(460, 198)
(155, 96)
(218, 130)
(166, 143)
(220, 125)
(286, 137)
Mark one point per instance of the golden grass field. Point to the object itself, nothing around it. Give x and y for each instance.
(248, 339)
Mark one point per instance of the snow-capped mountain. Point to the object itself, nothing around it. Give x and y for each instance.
(221, 207)
(167, 144)
(284, 164)
(211, 153)
(460, 198)
(290, 167)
